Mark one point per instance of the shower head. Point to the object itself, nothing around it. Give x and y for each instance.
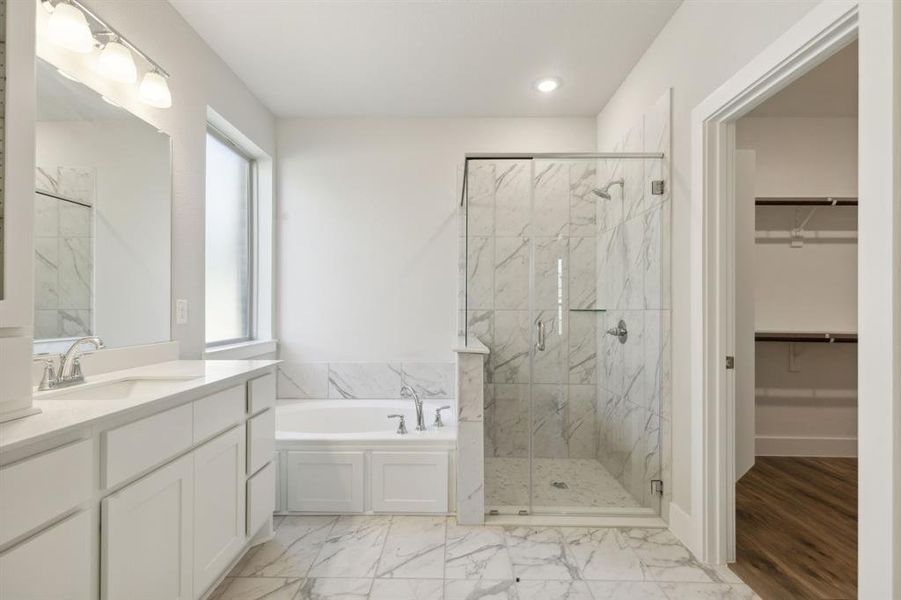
(604, 192)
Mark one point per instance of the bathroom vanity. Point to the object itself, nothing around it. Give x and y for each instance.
(144, 483)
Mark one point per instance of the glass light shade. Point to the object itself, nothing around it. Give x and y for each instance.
(155, 91)
(69, 28)
(116, 62)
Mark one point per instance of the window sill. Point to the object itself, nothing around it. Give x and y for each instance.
(242, 350)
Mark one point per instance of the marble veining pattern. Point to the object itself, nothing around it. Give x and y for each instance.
(446, 561)
(375, 380)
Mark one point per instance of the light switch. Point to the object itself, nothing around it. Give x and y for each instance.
(181, 312)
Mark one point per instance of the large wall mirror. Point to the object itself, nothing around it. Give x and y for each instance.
(102, 219)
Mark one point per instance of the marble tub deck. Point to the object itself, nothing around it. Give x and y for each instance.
(432, 558)
(589, 486)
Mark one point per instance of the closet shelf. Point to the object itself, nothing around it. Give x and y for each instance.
(805, 201)
(808, 337)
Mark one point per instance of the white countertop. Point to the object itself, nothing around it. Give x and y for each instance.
(59, 416)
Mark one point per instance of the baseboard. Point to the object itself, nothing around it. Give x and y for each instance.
(774, 445)
(683, 527)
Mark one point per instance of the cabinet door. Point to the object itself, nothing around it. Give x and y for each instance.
(219, 504)
(66, 549)
(147, 534)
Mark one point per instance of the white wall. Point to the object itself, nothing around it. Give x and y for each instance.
(367, 257)
(702, 45)
(199, 80)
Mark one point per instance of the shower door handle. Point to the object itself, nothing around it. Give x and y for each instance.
(539, 345)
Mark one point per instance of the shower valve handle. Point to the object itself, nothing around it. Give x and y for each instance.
(619, 332)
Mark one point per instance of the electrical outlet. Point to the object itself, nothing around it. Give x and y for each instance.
(181, 312)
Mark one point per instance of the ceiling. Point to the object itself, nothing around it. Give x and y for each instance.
(305, 58)
(829, 90)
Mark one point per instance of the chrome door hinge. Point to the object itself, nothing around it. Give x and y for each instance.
(657, 486)
(657, 187)
(730, 362)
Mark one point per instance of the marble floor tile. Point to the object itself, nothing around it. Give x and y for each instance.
(626, 590)
(476, 553)
(353, 547)
(414, 548)
(407, 589)
(258, 588)
(556, 590)
(482, 589)
(291, 552)
(539, 553)
(708, 591)
(603, 554)
(334, 589)
(664, 557)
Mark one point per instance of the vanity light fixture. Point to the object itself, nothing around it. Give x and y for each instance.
(115, 62)
(547, 84)
(155, 91)
(69, 28)
(75, 27)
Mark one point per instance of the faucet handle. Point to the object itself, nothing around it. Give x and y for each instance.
(438, 422)
(76, 368)
(401, 425)
(49, 377)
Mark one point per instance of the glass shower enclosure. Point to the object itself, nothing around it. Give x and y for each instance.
(566, 282)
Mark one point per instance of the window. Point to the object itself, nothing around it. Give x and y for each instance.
(229, 241)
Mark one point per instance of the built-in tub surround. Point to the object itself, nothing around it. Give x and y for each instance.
(364, 380)
(347, 456)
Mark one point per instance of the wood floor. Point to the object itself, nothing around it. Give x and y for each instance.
(796, 528)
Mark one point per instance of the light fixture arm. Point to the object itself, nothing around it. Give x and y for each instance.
(108, 30)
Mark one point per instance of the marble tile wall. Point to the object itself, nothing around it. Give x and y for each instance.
(632, 411)
(64, 261)
(365, 380)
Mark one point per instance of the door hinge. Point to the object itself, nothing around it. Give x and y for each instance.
(657, 187)
(657, 486)
(730, 362)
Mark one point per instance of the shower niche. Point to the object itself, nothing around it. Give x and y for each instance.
(567, 283)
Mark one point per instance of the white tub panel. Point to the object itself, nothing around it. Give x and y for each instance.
(329, 482)
(409, 482)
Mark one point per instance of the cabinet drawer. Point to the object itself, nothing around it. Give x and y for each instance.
(43, 487)
(260, 440)
(135, 447)
(218, 412)
(260, 498)
(261, 393)
(64, 550)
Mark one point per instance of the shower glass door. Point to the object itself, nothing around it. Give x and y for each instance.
(558, 252)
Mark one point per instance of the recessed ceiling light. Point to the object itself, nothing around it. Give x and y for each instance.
(547, 84)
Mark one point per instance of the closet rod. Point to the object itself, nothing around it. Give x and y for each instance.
(820, 201)
(816, 338)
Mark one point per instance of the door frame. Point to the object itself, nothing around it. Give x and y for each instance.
(825, 30)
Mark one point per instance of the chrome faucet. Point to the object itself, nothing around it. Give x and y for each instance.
(408, 392)
(69, 366)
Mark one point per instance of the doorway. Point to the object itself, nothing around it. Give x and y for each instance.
(795, 316)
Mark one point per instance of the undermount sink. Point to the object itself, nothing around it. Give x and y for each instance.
(121, 389)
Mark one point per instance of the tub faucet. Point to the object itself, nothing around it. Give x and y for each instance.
(408, 392)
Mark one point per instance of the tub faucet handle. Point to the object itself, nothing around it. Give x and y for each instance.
(401, 425)
(438, 422)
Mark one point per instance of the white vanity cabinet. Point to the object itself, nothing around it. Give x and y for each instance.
(219, 506)
(147, 536)
(154, 507)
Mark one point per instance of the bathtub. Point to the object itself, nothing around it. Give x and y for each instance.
(346, 457)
